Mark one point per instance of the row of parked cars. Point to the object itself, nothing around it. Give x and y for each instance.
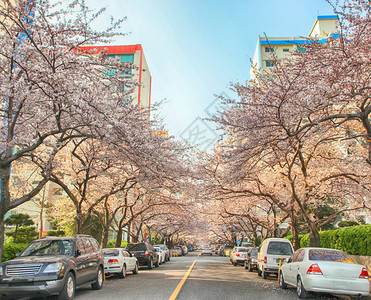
(307, 269)
(58, 265)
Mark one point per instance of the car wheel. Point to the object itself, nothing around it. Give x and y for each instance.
(98, 284)
(249, 268)
(302, 293)
(150, 264)
(135, 271)
(265, 274)
(122, 274)
(168, 259)
(69, 288)
(281, 282)
(259, 272)
(235, 264)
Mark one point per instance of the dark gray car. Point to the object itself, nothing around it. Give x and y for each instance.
(53, 266)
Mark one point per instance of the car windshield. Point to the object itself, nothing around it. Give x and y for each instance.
(136, 247)
(49, 247)
(228, 247)
(330, 255)
(242, 250)
(279, 248)
(111, 252)
(157, 249)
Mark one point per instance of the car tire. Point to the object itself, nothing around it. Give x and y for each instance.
(98, 284)
(150, 264)
(265, 274)
(245, 265)
(259, 272)
(235, 264)
(168, 259)
(249, 268)
(281, 282)
(136, 268)
(69, 288)
(122, 274)
(302, 293)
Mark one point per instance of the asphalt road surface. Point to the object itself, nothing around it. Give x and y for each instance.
(212, 277)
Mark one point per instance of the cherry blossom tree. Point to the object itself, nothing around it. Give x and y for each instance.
(51, 92)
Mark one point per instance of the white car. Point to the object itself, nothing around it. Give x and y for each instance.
(166, 250)
(119, 261)
(325, 271)
(206, 250)
(161, 255)
(238, 255)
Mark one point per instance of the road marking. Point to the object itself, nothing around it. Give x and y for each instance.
(180, 285)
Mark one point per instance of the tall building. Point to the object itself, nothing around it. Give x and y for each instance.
(270, 49)
(133, 54)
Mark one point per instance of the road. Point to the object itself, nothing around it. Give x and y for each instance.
(212, 277)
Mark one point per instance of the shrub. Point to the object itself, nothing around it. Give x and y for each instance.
(57, 232)
(11, 249)
(355, 240)
(24, 234)
(111, 244)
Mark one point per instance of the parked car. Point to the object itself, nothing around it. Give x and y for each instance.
(166, 250)
(206, 250)
(119, 261)
(227, 250)
(271, 252)
(145, 254)
(238, 255)
(161, 255)
(251, 262)
(54, 266)
(221, 250)
(326, 271)
(184, 250)
(247, 245)
(179, 250)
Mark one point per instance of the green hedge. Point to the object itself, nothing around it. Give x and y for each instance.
(11, 249)
(111, 244)
(355, 240)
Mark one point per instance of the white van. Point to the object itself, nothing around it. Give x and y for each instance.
(270, 253)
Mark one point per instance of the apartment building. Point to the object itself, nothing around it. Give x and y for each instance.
(271, 49)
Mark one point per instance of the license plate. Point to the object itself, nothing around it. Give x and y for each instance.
(278, 260)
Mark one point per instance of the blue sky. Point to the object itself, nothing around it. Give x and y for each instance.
(195, 48)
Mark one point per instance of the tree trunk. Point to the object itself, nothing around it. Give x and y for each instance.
(295, 232)
(41, 214)
(118, 237)
(105, 233)
(4, 203)
(315, 240)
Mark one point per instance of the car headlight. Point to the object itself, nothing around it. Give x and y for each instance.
(53, 268)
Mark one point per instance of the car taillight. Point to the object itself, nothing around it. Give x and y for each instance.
(265, 259)
(147, 253)
(314, 270)
(112, 261)
(364, 274)
(237, 254)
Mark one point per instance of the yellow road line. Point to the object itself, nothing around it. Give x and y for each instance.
(181, 283)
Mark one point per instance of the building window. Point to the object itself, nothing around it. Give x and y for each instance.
(269, 63)
(286, 50)
(269, 49)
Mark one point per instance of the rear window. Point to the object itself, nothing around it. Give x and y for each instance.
(110, 253)
(136, 247)
(254, 252)
(242, 249)
(329, 255)
(228, 247)
(279, 248)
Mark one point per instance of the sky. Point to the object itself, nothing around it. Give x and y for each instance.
(196, 48)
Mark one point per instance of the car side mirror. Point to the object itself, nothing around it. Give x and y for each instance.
(77, 253)
(289, 260)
